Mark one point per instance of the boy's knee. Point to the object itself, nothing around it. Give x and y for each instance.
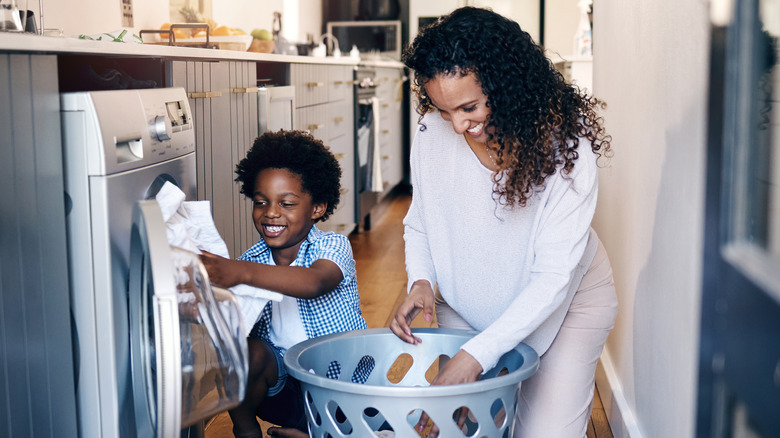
(262, 360)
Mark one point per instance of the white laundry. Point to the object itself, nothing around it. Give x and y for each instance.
(190, 226)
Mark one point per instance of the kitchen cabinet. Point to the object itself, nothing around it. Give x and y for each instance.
(389, 91)
(38, 387)
(325, 107)
(223, 98)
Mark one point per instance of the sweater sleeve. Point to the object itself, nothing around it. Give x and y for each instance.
(560, 242)
(419, 264)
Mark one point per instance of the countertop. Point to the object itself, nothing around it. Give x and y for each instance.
(29, 43)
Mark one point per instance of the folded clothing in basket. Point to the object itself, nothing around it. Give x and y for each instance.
(190, 226)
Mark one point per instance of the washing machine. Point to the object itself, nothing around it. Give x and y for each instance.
(156, 348)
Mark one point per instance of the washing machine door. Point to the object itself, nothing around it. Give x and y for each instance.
(188, 359)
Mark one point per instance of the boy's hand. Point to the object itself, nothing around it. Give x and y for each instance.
(420, 298)
(222, 272)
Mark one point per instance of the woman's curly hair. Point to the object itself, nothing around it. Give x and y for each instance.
(301, 154)
(537, 118)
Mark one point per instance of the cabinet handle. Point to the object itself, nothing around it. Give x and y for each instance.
(353, 82)
(339, 156)
(385, 157)
(401, 79)
(338, 82)
(204, 94)
(343, 191)
(316, 126)
(314, 84)
(385, 105)
(338, 119)
(385, 183)
(385, 131)
(246, 90)
(341, 227)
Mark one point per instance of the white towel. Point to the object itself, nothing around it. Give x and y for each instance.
(376, 164)
(190, 226)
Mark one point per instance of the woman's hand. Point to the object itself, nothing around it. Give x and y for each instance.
(223, 272)
(420, 299)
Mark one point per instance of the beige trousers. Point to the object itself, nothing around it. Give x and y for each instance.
(557, 400)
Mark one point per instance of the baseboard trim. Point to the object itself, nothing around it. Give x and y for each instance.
(621, 418)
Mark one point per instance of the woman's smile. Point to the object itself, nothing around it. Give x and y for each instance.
(460, 100)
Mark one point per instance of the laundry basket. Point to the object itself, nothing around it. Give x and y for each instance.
(368, 382)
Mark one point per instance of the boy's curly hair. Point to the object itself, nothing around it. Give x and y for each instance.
(301, 154)
(537, 117)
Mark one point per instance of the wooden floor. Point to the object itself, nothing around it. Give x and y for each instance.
(379, 256)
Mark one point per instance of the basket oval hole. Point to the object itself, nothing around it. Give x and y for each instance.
(437, 364)
(414, 417)
(363, 369)
(466, 421)
(403, 363)
(375, 420)
(338, 418)
(498, 412)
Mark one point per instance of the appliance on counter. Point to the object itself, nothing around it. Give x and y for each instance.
(153, 344)
(374, 39)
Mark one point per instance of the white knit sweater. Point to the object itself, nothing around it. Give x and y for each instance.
(510, 273)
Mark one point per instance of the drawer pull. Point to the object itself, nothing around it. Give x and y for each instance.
(385, 131)
(341, 227)
(315, 84)
(353, 82)
(246, 90)
(401, 79)
(385, 183)
(204, 94)
(385, 105)
(338, 119)
(385, 157)
(343, 191)
(338, 82)
(339, 156)
(316, 126)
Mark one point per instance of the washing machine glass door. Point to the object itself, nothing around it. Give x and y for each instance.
(188, 358)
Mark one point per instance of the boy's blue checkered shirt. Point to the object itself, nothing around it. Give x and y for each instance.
(337, 310)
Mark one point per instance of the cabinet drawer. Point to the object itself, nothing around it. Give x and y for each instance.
(313, 119)
(311, 84)
(339, 118)
(340, 83)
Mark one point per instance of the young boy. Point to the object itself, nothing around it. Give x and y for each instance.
(294, 182)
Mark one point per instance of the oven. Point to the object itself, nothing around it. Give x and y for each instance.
(368, 171)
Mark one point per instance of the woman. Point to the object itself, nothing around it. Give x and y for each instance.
(504, 177)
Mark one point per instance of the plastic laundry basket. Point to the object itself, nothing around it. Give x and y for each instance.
(354, 385)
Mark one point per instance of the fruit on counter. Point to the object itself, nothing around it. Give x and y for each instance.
(262, 34)
(178, 34)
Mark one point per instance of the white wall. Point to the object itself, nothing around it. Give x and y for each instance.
(651, 67)
(561, 19)
(91, 17)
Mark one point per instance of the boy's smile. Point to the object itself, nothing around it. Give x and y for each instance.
(283, 212)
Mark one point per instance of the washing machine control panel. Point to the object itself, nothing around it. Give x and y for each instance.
(128, 129)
